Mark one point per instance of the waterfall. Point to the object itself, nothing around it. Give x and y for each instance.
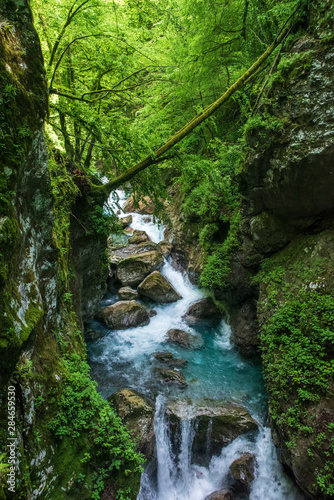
(124, 359)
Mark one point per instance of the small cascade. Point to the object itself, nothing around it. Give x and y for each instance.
(124, 359)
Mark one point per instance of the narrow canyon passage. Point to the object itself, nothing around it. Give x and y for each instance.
(215, 373)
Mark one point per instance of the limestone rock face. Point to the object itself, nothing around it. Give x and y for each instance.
(139, 237)
(157, 288)
(124, 314)
(288, 180)
(222, 422)
(165, 248)
(242, 469)
(204, 309)
(186, 253)
(146, 206)
(185, 339)
(132, 270)
(306, 266)
(138, 416)
(245, 328)
(127, 293)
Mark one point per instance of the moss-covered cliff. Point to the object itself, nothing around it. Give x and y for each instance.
(287, 232)
(279, 285)
(69, 443)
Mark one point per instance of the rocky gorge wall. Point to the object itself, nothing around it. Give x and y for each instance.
(49, 285)
(287, 233)
(279, 292)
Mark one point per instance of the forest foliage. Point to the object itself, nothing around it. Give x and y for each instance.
(123, 77)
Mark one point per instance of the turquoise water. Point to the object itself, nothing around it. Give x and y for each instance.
(124, 359)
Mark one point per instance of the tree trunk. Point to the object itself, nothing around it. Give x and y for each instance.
(197, 120)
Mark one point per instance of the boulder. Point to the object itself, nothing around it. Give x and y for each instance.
(221, 495)
(126, 250)
(157, 288)
(242, 469)
(152, 313)
(170, 376)
(127, 293)
(168, 359)
(126, 221)
(185, 339)
(139, 237)
(132, 270)
(166, 248)
(124, 314)
(138, 416)
(217, 424)
(203, 310)
(118, 240)
(146, 206)
(147, 219)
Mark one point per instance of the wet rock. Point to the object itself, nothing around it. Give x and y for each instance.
(203, 310)
(126, 221)
(129, 230)
(239, 285)
(127, 293)
(152, 313)
(124, 314)
(146, 220)
(157, 288)
(185, 339)
(139, 237)
(166, 248)
(216, 425)
(221, 495)
(171, 376)
(138, 416)
(134, 269)
(168, 359)
(187, 254)
(245, 328)
(121, 253)
(91, 335)
(118, 240)
(242, 469)
(146, 206)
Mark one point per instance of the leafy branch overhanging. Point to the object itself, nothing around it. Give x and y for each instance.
(106, 189)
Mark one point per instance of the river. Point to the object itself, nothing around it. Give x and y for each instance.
(216, 371)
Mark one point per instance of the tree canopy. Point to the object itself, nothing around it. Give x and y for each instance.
(129, 79)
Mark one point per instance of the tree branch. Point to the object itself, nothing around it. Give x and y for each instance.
(197, 120)
(244, 21)
(68, 21)
(97, 35)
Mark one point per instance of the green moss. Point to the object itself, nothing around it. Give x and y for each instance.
(296, 310)
(80, 412)
(217, 263)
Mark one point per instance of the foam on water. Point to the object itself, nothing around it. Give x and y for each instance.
(124, 359)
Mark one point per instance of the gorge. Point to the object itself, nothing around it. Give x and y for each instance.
(239, 401)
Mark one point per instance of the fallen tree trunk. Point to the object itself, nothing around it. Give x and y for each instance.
(197, 120)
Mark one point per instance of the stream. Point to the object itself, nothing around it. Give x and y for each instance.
(123, 359)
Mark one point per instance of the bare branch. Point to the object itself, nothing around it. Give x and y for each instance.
(68, 21)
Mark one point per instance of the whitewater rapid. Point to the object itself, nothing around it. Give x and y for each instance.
(124, 359)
